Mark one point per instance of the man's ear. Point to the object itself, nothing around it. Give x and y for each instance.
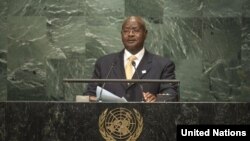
(146, 33)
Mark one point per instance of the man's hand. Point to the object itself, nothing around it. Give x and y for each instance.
(149, 97)
(92, 98)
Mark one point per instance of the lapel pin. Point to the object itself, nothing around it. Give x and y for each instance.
(143, 71)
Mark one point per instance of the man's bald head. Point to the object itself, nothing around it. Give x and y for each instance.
(135, 18)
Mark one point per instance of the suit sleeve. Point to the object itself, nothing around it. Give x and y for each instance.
(169, 89)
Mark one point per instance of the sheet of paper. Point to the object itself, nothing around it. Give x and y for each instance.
(108, 96)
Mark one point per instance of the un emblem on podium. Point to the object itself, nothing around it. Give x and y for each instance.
(120, 124)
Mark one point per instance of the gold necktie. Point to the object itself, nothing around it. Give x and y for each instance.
(129, 67)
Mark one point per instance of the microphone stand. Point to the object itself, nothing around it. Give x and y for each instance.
(100, 98)
(134, 65)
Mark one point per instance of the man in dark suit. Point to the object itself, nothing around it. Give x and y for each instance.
(147, 65)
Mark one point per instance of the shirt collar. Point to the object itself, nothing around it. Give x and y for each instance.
(139, 55)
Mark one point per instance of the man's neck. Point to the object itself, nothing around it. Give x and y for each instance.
(134, 52)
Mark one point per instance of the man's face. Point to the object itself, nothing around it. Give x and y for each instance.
(133, 35)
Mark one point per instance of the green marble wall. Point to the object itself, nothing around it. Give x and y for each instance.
(44, 41)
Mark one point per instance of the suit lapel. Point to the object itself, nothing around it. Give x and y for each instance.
(144, 66)
(119, 71)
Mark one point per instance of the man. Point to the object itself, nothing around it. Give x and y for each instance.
(147, 65)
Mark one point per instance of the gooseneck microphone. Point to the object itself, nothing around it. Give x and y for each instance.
(107, 76)
(136, 72)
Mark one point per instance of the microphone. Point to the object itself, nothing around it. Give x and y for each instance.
(111, 68)
(134, 65)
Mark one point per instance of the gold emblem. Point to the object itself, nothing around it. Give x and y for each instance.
(120, 124)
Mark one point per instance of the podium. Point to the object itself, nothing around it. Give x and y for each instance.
(71, 121)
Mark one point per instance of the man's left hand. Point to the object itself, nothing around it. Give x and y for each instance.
(148, 97)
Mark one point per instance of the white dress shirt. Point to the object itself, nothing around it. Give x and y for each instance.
(139, 56)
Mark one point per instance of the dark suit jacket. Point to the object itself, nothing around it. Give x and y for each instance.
(156, 67)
